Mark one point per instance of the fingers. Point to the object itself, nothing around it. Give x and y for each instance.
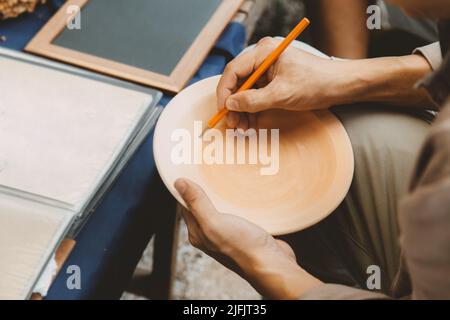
(253, 100)
(233, 119)
(252, 120)
(191, 223)
(199, 214)
(198, 203)
(241, 120)
(242, 67)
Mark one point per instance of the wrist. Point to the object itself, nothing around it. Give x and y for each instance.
(354, 82)
(280, 277)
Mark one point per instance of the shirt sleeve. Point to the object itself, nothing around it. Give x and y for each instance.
(432, 53)
(424, 216)
(341, 292)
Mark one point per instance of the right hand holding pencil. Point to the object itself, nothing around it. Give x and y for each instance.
(296, 81)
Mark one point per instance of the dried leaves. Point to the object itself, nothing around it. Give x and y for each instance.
(13, 8)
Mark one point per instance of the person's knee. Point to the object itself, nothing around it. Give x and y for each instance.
(385, 144)
(383, 128)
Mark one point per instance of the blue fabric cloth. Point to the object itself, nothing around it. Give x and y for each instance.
(19, 31)
(112, 241)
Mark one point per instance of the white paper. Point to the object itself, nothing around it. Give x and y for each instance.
(59, 132)
(46, 278)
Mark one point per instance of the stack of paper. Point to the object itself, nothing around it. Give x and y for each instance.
(65, 135)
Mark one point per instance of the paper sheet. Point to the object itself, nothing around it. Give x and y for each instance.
(59, 132)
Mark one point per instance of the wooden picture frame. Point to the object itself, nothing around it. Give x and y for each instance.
(42, 44)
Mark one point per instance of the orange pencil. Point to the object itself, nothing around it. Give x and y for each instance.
(263, 67)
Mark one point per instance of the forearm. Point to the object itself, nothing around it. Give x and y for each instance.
(388, 80)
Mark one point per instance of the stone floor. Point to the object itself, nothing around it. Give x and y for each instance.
(197, 275)
(201, 277)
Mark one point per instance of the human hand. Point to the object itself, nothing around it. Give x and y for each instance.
(267, 263)
(296, 81)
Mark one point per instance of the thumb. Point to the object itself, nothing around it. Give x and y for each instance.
(252, 100)
(196, 199)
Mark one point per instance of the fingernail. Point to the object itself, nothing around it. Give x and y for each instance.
(232, 105)
(181, 186)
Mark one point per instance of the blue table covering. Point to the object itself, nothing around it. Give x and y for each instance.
(111, 243)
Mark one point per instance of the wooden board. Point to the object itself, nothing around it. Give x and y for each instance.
(157, 43)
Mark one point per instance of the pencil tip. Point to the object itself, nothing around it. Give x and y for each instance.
(203, 132)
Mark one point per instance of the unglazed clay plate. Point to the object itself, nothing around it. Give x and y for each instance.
(283, 185)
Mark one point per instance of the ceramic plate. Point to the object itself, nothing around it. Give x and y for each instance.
(283, 181)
